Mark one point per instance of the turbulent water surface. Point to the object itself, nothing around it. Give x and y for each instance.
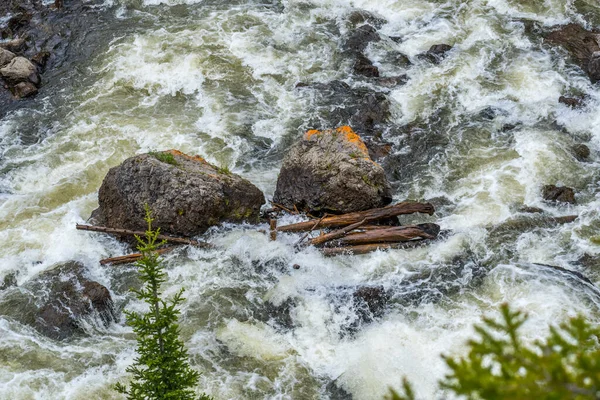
(218, 78)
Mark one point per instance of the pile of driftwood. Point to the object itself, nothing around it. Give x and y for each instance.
(355, 233)
(362, 232)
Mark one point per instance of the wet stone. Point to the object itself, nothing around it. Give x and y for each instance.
(559, 194)
(68, 297)
(186, 194)
(581, 151)
(5, 57)
(531, 210)
(436, 53)
(572, 102)
(18, 70)
(363, 66)
(358, 41)
(24, 89)
(359, 17)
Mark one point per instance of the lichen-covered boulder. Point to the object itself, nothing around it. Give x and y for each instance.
(331, 171)
(186, 194)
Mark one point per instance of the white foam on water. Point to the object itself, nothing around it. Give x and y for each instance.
(224, 77)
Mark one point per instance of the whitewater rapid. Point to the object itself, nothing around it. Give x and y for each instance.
(218, 78)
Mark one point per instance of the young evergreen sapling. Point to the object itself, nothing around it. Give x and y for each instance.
(161, 370)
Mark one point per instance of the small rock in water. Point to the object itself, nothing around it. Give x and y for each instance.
(360, 39)
(363, 66)
(358, 17)
(581, 44)
(331, 171)
(560, 194)
(41, 59)
(18, 70)
(24, 89)
(581, 151)
(15, 45)
(392, 81)
(531, 210)
(68, 297)
(370, 302)
(593, 67)
(187, 195)
(572, 102)
(6, 57)
(436, 53)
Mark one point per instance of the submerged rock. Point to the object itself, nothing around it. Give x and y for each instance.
(363, 66)
(581, 44)
(24, 89)
(560, 194)
(331, 171)
(360, 38)
(436, 53)
(572, 102)
(358, 17)
(337, 103)
(186, 194)
(581, 151)
(370, 302)
(59, 303)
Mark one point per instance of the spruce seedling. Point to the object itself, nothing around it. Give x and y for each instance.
(161, 370)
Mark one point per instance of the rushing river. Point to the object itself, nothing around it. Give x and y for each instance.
(218, 78)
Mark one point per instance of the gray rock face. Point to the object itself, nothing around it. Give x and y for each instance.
(24, 89)
(18, 70)
(331, 171)
(72, 297)
(558, 194)
(5, 57)
(187, 195)
(58, 302)
(581, 44)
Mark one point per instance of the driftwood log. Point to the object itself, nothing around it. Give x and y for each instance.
(407, 207)
(127, 232)
(393, 235)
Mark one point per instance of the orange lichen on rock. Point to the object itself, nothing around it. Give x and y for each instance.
(193, 158)
(347, 133)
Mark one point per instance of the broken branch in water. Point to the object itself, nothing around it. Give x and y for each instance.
(393, 234)
(407, 207)
(335, 234)
(127, 232)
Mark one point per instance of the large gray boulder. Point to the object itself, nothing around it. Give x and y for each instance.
(331, 171)
(20, 69)
(186, 194)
